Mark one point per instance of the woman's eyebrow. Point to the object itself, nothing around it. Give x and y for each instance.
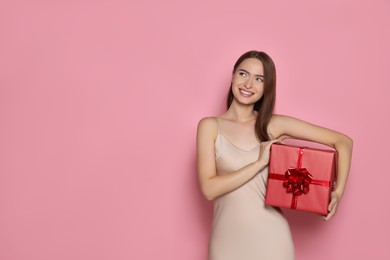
(247, 72)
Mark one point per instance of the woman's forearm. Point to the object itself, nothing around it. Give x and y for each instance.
(222, 184)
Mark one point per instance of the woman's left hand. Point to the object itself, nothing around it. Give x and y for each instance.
(332, 208)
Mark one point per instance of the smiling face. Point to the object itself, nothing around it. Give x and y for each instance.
(248, 81)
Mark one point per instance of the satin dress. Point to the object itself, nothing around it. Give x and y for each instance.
(243, 227)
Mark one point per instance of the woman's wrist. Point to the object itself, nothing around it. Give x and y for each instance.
(339, 188)
(338, 192)
(260, 164)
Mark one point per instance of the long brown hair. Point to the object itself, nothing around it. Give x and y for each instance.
(265, 106)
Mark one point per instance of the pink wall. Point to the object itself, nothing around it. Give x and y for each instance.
(99, 103)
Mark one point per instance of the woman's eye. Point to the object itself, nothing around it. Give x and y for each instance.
(260, 79)
(242, 74)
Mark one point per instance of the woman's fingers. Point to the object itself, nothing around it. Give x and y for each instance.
(332, 208)
(269, 143)
(265, 149)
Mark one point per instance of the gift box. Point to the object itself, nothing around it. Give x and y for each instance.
(300, 178)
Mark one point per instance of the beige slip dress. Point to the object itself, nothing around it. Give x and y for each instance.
(243, 228)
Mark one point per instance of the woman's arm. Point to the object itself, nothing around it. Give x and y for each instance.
(288, 126)
(211, 184)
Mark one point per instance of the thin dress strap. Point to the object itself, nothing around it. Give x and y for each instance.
(218, 127)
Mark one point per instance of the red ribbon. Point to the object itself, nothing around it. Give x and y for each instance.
(297, 180)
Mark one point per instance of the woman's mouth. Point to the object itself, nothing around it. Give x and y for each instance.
(245, 93)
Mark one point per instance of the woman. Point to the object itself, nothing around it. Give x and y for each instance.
(233, 154)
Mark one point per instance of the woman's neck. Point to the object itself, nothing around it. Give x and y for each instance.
(241, 113)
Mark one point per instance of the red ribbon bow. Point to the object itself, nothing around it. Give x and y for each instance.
(297, 181)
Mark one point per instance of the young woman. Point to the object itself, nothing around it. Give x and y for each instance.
(233, 154)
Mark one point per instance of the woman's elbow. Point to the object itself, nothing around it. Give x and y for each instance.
(345, 141)
(209, 197)
(348, 141)
(207, 193)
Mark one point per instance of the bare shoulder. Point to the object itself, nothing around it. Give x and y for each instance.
(283, 126)
(276, 123)
(208, 125)
(207, 122)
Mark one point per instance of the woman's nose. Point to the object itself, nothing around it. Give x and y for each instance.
(248, 83)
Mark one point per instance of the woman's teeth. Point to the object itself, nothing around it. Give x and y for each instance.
(245, 93)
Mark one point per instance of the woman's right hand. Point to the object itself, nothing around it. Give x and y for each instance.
(265, 151)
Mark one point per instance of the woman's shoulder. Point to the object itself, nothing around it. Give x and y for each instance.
(209, 122)
(275, 125)
(212, 121)
(208, 128)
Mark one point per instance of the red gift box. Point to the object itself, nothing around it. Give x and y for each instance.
(300, 178)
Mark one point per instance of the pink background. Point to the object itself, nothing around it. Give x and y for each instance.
(99, 103)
